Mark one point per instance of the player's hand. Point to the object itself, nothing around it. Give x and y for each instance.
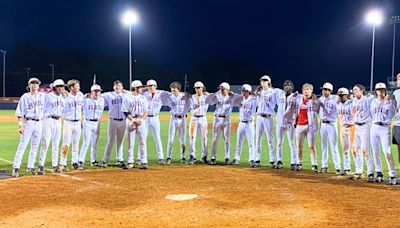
(21, 130)
(295, 94)
(64, 93)
(230, 93)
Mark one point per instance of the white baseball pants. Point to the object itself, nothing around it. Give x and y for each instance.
(265, 124)
(71, 134)
(347, 135)
(198, 124)
(91, 131)
(141, 132)
(302, 131)
(51, 132)
(280, 135)
(362, 145)
(329, 136)
(115, 135)
(176, 124)
(153, 123)
(32, 132)
(380, 135)
(223, 125)
(245, 130)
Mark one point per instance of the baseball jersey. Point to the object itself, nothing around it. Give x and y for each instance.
(312, 111)
(154, 101)
(266, 101)
(224, 104)
(361, 109)
(73, 106)
(382, 111)
(286, 108)
(179, 105)
(93, 108)
(31, 106)
(198, 105)
(114, 102)
(54, 105)
(136, 105)
(328, 110)
(247, 108)
(344, 111)
(396, 95)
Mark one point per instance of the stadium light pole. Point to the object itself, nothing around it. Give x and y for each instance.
(395, 20)
(130, 18)
(4, 72)
(374, 18)
(52, 72)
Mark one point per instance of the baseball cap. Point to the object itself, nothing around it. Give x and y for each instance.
(95, 87)
(198, 84)
(34, 80)
(246, 87)
(327, 85)
(380, 85)
(265, 77)
(151, 82)
(343, 91)
(136, 83)
(224, 85)
(58, 82)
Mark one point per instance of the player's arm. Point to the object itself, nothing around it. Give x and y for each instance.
(20, 113)
(211, 98)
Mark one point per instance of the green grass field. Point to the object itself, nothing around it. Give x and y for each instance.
(9, 138)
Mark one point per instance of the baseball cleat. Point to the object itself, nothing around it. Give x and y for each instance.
(324, 169)
(31, 171)
(339, 172)
(143, 166)
(251, 164)
(213, 161)
(204, 160)
(370, 178)
(293, 167)
(104, 164)
(257, 163)
(379, 177)
(80, 165)
(56, 169)
(168, 161)
(75, 165)
(161, 161)
(64, 168)
(356, 176)
(192, 160)
(40, 170)
(272, 165)
(392, 181)
(235, 162)
(183, 160)
(227, 161)
(347, 172)
(120, 163)
(95, 163)
(279, 165)
(138, 163)
(15, 173)
(315, 169)
(128, 166)
(299, 167)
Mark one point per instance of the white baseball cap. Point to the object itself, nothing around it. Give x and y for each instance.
(151, 82)
(225, 85)
(266, 77)
(380, 85)
(246, 87)
(34, 80)
(198, 84)
(343, 91)
(136, 83)
(58, 82)
(327, 85)
(95, 87)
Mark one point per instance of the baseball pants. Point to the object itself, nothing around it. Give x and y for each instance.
(347, 135)
(245, 130)
(115, 135)
(141, 132)
(153, 123)
(32, 132)
(91, 131)
(51, 132)
(303, 131)
(176, 124)
(265, 124)
(380, 135)
(71, 134)
(329, 136)
(223, 125)
(280, 135)
(198, 124)
(362, 145)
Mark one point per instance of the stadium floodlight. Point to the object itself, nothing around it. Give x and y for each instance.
(374, 17)
(130, 18)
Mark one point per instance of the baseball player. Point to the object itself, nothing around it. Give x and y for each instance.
(382, 112)
(285, 120)
(153, 96)
(247, 110)
(53, 110)
(93, 108)
(266, 99)
(198, 122)
(179, 104)
(224, 101)
(362, 117)
(328, 131)
(29, 113)
(116, 125)
(396, 123)
(344, 110)
(72, 124)
(307, 125)
(136, 108)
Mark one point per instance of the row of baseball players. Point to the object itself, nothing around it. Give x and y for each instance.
(296, 115)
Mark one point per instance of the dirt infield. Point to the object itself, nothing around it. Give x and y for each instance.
(228, 196)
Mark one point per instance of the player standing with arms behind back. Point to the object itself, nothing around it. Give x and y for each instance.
(30, 113)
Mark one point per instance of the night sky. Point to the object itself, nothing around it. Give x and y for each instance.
(306, 41)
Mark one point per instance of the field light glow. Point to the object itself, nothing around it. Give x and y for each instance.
(374, 17)
(129, 18)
